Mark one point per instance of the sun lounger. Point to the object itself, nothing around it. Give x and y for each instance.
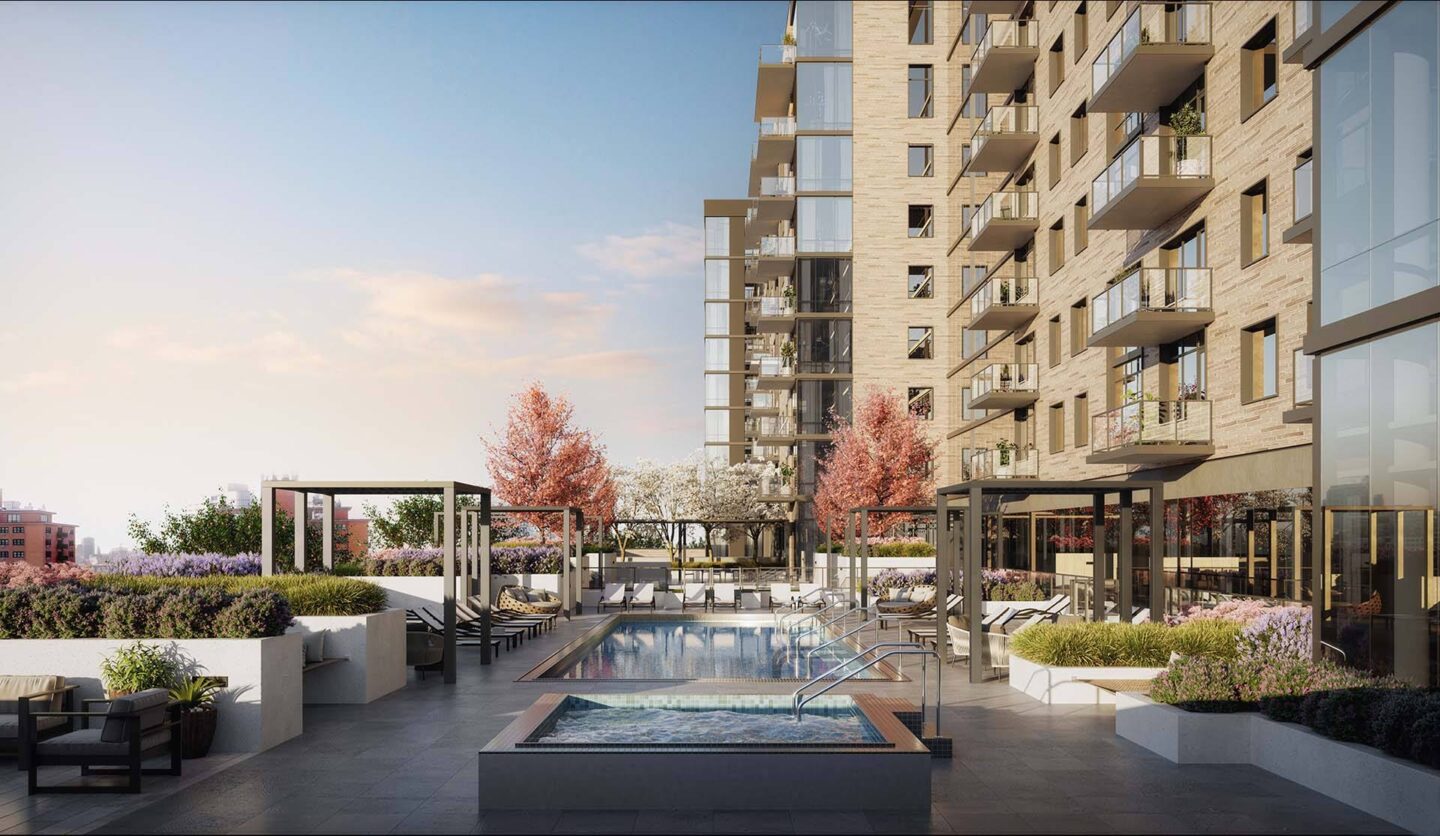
(725, 596)
(780, 595)
(463, 635)
(644, 596)
(694, 597)
(613, 596)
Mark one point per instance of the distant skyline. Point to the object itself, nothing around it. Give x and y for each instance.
(333, 239)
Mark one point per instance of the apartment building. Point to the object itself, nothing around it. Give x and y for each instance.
(1063, 231)
(1375, 327)
(32, 535)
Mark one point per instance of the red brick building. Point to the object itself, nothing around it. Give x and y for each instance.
(353, 531)
(32, 535)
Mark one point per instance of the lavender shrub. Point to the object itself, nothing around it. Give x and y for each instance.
(186, 565)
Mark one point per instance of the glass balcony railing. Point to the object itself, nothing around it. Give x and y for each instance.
(771, 366)
(1304, 16)
(1004, 291)
(1008, 462)
(1151, 289)
(1004, 33)
(1005, 205)
(1149, 157)
(770, 306)
(777, 54)
(1005, 377)
(1152, 23)
(1304, 367)
(770, 426)
(1151, 422)
(777, 246)
(777, 186)
(777, 126)
(1003, 120)
(1304, 190)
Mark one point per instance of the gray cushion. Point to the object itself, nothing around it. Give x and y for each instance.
(10, 725)
(90, 742)
(149, 703)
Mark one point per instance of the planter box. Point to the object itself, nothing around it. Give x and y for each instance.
(1401, 792)
(1062, 686)
(260, 708)
(374, 646)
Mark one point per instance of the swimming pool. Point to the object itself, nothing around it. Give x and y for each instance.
(691, 647)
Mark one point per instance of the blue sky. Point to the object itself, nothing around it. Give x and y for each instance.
(383, 217)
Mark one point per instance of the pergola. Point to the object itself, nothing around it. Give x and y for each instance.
(862, 515)
(329, 490)
(949, 551)
(477, 560)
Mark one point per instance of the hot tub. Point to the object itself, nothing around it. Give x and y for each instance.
(663, 752)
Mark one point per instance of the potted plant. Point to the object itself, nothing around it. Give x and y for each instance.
(1005, 448)
(1004, 293)
(789, 294)
(1005, 376)
(787, 353)
(1186, 122)
(137, 667)
(196, 696)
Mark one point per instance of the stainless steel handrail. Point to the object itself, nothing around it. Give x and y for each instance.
(795, 639)
(808, 616)
(800, 698)
(817, 597)
(869, 622)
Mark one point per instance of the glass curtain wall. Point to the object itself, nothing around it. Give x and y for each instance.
(822, 97)
(822, 28)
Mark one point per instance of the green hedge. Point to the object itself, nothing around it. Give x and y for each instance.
(1146, 645)
(902, 550)
(71, 611)
(306, 594)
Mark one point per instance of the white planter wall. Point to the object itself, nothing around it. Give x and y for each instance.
(375, 649)
(260, 708)
(1062, 686)
(1401, 792)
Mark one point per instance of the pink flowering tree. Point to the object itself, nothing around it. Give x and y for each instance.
(882, 458)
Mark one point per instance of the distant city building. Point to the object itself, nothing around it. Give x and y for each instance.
(354, 532)
(31, 534)
(87, 550)
(238, 495)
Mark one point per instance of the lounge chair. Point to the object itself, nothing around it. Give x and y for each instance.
(917, 602)
(644, 596)
(725, 597)
(20, 695)
(529, 601)
(463, 637)
(424, 651)
(781, 595)
(997, 630)
(137, 726)
(694, 597)
(810, 595)
(613, 596)
(468, 620)
(546, 619)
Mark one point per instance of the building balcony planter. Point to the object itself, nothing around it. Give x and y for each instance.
(1401, 792)
(1056, 685)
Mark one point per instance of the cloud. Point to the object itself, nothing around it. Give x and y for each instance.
(488, 302)
(275, 351)
(51, 378)
(664, 252)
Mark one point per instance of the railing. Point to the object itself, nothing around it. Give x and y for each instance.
(1005, 205)
(1304, 16)
(1151, 422)
(770, 306)
(1303, 367)
(800, 698)
(769, 425)
(1005, 463)
(771, 366)
(777, 126)
(1151, 289)
(777, 246)
(1004, 33)
(777, 186)
(1304, 190)
(869, 621)
(777, 54)
(1004, 119)
(1004, 291)
(1151, 156)
(1152, 23)
(1005, 377)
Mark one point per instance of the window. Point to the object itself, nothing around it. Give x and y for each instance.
(823, 163)
(922, 221)
(974, 28)
(1079, 327)
(1185, 362)
(822, 224)
(1082, 225)
(1080, 37)
(1052, 339)
(1056, 242)
(1057, 427)
(717, 238)
(922, 94)
(1259, 362)
(717, 425)
(823, 28)
(971, 275)
(17, 541)
(1127, 378)
(922, 402)
(922, 30)
(1054, 160)
(717, 390)
(922, 342)
(922, 160)
(974, 105)
(1304, 186)
(717, 318)
(967, 212)
(1259, 71)
(1057, 64)
(822, 96)
(717, 355)
(1254, 224)
(1082, 420)
(922, 282)
(717, 278)
(1079, 134)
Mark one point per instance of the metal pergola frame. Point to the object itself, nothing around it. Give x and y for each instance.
(477, 563)
(862, 514)
(975, 492)
(447, 490)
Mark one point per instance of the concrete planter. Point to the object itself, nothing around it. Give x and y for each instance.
(260, 708)
(374, 647)
(1055, 685)
(404, 593)
(1401, 792)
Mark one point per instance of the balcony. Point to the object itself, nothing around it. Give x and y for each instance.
(1004, 221)
(1005, 386)
(1151, 433)
(1005, 138)
(775, 82)
(1150, 306)
(770, 427)
(1004, 303)
(1158, 52)
(773, 258)
(1154, 178)
(774, 148)
(995, 7)
(1005, 463)
(1302, 230)
(1005, 57)
(1302, 369)
(771, 314)
(777, 186)
(773, 372)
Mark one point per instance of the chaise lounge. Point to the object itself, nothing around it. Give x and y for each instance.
(529, 601)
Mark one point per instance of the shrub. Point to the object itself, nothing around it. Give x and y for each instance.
(1393, 721)
(1016, 591)
(189, 613)
(126, 616)
(525, 560)
(254, 612)
(62, 612)
(1243, 610)
(1425, 736)
(137, 667)
(306, 594)
(1278, 633)
(906, 548)
(1205, 638)
(19, 575)
(186, 565)
(1344, 714)
(1201, 683)
(1149, 645)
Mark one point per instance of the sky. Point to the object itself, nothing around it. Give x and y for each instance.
(332, 240)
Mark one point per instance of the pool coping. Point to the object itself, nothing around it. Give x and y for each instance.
(591, 637)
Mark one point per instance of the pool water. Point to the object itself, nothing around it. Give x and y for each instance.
(662, 649)
(646, 720)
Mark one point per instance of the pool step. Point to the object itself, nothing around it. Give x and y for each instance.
(907, 713)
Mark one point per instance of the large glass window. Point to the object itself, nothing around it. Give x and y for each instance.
(822, 28)
(824, 285)
(922, 91)
(823, 163)
(717, 390)
(717, 318)
(823, 346)
(818, 399)
(822, 224)
(1379, 171)
(717, 355)
(822, 97)
(717, 279)
(717, 236)
(717, 425)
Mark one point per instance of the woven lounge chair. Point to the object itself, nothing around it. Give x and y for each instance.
(529, 601)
